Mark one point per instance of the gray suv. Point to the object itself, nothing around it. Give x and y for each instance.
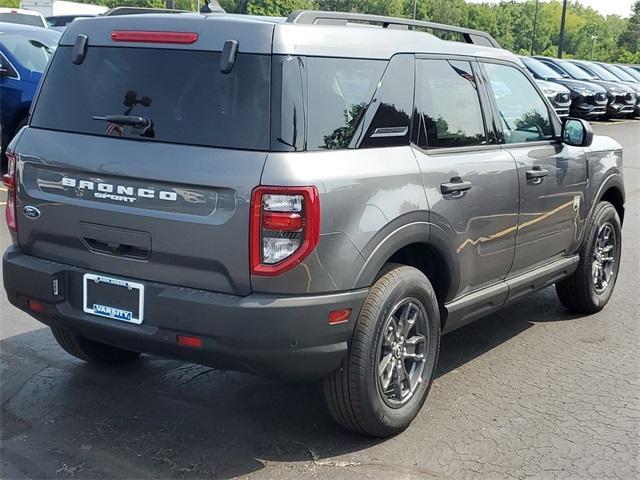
(304, 198)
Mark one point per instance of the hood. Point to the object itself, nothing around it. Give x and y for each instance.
(613, 87)
(550, 88)
(580, 85)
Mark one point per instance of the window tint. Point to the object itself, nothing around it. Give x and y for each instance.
(448, 105)
(575, 71)
(191, 102)
(339, 91)
(523, 112)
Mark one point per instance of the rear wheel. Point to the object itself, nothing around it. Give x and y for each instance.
(90, 350)
(385, 377)
(589, 289)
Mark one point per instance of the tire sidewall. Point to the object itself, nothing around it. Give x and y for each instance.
(413, 284)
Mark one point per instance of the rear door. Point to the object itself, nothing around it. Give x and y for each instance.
(552, 176)
(471, 184)
(165, 200)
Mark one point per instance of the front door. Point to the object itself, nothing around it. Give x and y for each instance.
(552, 176)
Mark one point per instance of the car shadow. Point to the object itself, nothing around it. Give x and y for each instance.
(164, 418)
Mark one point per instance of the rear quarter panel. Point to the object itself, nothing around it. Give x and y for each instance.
(362, 192)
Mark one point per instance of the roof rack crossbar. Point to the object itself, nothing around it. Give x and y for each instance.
(313, 17)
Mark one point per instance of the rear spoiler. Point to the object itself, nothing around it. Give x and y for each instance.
(139, 10)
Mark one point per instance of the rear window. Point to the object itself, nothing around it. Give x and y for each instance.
(182, 92)
(19, 18)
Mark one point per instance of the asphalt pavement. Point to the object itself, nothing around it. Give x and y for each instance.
(530, 392)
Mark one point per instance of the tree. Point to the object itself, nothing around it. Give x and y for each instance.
(630, 38)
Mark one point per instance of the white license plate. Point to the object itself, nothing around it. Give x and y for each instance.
(113, 298)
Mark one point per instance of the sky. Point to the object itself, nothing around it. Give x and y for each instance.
(605, 7)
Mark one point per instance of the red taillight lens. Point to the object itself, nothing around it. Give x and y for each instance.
(339, 316)
(9, 181)
(285, 227)
(153, 37)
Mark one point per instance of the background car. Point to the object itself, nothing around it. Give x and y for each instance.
(558, 95)
(627, 79)
(22, 17)
(60, 22)
(616, 106)
(24, 54)
(587, 100)
(624, 101)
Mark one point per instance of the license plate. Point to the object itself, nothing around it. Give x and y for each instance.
(113, 298)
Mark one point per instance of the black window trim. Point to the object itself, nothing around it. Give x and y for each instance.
(555, 121)
(12, 68)
(485, 104)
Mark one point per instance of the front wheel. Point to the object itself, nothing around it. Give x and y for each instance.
(385, 377)
(590, 287)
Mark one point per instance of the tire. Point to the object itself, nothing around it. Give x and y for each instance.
(580, 292)
(355, 394)
(90, 350)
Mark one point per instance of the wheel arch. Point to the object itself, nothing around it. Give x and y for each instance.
(421, 245)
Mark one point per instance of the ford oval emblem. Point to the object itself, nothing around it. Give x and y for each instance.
(31, 212)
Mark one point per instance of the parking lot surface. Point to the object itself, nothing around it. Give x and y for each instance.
(530, 392)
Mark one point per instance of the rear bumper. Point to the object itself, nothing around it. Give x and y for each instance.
(273, 335)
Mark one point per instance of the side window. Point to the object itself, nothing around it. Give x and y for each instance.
(6, 69)
(340, 90)
(523, 112)
(447, 105)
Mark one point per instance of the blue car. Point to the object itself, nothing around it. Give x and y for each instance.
(24, 54)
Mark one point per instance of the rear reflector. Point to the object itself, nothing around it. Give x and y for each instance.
(339, 316)
(36, 306)
(153, 37)
(193, 342)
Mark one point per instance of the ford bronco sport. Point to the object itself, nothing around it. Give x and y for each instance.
(304, 198)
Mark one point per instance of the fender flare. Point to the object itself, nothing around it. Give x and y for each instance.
(393, 238)
(612, 180)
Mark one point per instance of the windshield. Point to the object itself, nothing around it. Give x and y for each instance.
(575, 71)
(620, 73)
(33, 20)
(631, 72)
(540, 69)
(182, 93)
(603, 73)
(32, 54)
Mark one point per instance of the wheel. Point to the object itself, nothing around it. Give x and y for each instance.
(590, 287)
(90, 350)
(385, 377)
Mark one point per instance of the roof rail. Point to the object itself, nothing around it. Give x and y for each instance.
(313, 17)
(138, 10)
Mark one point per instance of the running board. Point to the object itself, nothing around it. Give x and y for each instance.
(477, 304)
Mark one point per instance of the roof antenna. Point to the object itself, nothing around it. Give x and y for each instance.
(212, 6)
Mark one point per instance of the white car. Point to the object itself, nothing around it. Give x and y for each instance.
(23, 17)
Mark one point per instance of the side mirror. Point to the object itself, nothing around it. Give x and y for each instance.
(577, 132)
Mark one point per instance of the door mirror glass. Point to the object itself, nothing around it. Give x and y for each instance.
(577, 132)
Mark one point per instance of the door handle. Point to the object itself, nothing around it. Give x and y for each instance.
(536, 174)
(456, 185)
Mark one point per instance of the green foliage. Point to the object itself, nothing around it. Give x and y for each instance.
(511, 23)
(10, 3)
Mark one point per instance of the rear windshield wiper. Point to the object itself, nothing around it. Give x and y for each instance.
(143, 124)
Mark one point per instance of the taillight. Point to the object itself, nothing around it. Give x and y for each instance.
(285, 227)
(9, 181)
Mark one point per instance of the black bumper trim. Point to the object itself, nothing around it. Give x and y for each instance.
(273, 335)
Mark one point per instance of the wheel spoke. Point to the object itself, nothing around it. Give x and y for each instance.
(414, 347)
(409, 318)
(385, 371)
(401, 376)
(391, 333)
